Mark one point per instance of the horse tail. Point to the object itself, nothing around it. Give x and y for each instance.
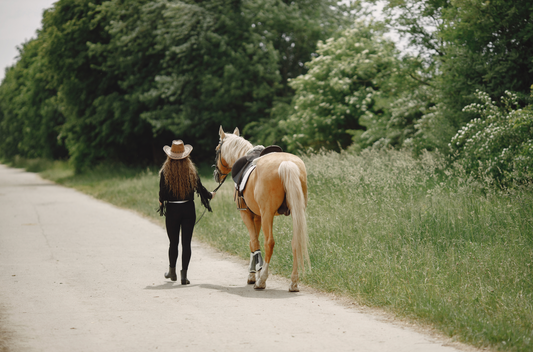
(289, 173)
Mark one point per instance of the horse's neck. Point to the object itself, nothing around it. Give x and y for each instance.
(239, 152)
(240, 155)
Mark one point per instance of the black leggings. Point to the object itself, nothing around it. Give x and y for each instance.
(180, 215)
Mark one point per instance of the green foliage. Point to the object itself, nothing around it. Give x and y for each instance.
(101, 122)
(466, 45)
(499, 142)
(104, 77)
(343, 90)
(215, 70)
(190, 67)
(293, 28)
(30, 115)
(490, 46)
(419, 22)
(107, 76)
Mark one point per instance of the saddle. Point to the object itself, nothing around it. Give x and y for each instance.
(244, 163)
(243, 168)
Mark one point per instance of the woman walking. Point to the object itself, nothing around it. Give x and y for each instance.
(178, 181)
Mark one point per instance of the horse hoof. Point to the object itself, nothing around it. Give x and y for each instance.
(251, 279)
(260, 285)
(294, 288)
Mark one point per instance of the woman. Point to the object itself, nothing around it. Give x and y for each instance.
(178, 181)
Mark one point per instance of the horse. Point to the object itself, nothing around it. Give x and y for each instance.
(278, 179)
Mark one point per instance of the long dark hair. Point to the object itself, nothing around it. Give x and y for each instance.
(180, 176)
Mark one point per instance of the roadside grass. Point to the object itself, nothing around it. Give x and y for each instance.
(406, 235)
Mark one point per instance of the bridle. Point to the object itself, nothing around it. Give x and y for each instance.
(218, 173)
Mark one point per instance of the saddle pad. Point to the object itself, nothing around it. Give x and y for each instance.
(245, 178)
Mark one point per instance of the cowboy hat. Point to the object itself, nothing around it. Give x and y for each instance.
(178, 150)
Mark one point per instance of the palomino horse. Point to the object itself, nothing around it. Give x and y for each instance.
(278, 177)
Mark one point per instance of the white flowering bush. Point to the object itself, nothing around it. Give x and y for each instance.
(499, 143)
(341, 93)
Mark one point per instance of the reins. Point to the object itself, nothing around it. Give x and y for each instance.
(216, 189)
(220, 184)
(217, 171)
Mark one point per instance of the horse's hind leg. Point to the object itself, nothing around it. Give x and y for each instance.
(267, 223)
(256, 259)
(294, 276)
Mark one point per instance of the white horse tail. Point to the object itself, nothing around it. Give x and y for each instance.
(289, 173)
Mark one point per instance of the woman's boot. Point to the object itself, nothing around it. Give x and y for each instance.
(184, 280)
(171, 274)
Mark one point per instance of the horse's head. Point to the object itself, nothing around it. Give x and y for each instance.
(222, 168)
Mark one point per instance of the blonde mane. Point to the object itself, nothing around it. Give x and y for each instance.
(234, 147)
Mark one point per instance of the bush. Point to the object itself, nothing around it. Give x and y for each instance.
(341, 95)
(499, 143)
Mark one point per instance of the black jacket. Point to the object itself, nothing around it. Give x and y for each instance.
(165, 195)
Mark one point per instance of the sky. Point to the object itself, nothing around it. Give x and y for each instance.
(19, 21)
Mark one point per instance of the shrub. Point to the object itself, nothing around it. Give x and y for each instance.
(499, 143)
(341, 94)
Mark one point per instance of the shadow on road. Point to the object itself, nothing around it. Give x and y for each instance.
(243, 291)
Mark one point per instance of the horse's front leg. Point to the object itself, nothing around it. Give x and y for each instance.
(253, 224)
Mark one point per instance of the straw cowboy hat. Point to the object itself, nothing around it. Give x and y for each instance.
(178, 150)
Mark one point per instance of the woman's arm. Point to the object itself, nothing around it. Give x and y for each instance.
(205, 195)
(161, 188)
(162, 208)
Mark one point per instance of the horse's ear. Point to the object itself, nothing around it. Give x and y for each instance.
(221, 134)
(236, 132)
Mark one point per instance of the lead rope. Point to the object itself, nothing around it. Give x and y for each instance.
(216, 189)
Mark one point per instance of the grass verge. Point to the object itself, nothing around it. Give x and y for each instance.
(389, 231)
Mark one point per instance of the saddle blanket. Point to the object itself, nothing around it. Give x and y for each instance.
(245, 177)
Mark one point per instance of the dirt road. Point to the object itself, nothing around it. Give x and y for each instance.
(78, 274)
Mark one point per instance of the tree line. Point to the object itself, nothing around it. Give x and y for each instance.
(117, 79)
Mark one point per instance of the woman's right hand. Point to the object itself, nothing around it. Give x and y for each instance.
(213, 195)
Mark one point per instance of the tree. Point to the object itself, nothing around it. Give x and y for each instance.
(293, 28)
(134, 74)
(490, 49)
(30, 118)
(473, 45)
(215, 70)
(231, 61)
(344, 90)
(101, 122)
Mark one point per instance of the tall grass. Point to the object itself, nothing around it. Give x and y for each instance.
(396, 232)
(406, 235)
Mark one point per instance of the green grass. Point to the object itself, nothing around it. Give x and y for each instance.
(389, 231)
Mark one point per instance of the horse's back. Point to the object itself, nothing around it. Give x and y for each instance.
(273, 160)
